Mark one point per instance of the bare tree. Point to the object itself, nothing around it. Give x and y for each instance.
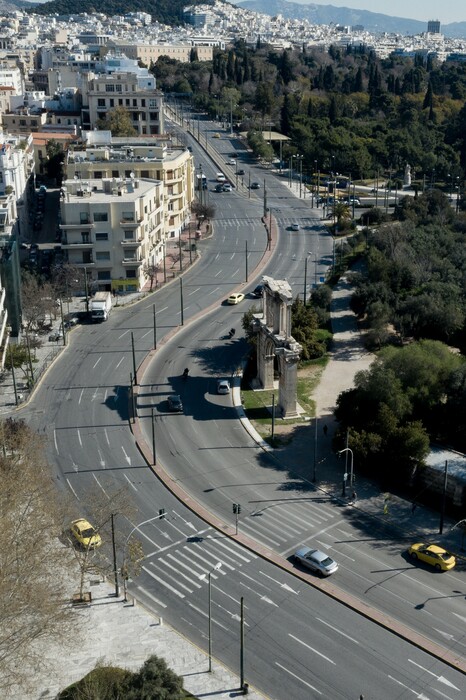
(39, 301)
(33, 563)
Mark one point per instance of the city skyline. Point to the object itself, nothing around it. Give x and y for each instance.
(422, 10)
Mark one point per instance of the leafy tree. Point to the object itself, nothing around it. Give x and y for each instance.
(38, 300)
(304, 324)
(118, 121)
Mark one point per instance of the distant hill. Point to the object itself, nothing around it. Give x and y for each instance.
(329, 14)
(165, 11)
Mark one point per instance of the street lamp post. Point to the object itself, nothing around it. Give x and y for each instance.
(217, 566)
(347, 449)
(305, 277)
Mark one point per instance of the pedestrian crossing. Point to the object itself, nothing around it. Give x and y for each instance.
(181, 564)
(183, 569)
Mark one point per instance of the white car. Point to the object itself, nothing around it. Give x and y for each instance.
(232, 161)
(220, 177)
(223, 386)
(316, 560)
(294, 227)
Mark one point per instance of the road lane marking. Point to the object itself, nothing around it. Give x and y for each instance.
(100, 485)
(79, 437)
(119, 362)
(81, 395)
(282, 585)
(102, 460)
(128, 459)
(193, 292)
(55, 440)
(441, 679)
(130, 482)
(152, 597)
(97, 362)
(419, 696)
(312, 649)
(298, 678)
(123, 334)
(72, 489)
(335, 629)
(163, 583)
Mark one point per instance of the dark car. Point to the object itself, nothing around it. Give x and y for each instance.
(258, 291)
(175, 404)
(218, 188)
(241, 172)
(255, 186)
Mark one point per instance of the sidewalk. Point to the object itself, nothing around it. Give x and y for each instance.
(125, 635)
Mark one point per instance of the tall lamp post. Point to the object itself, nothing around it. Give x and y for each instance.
(347, 449)
(305, 277)
(217, 566)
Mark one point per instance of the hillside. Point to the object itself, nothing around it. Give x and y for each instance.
(164, 11)
(328, 14)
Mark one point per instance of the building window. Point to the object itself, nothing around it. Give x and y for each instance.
(127, 102)
(101, 102)
(145, 173)
(84, 217)
(115, 173)
(98, 174)
(103, 236)
(110, 88)
(102, 255)
(85, 237)
(143, 103)
(154, 116)
(118, 88)
(103, 274)
(100, 216)
(153, 104)
(127, 216)
(112, 102)
(129, 236)
(130, 274)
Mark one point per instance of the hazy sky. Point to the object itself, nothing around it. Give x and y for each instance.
(446, 11)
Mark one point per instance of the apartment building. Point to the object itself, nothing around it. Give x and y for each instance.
(103, 156)
(150, 53)
(137, 94)
(10, 272)
(111, 228)
(3, 326)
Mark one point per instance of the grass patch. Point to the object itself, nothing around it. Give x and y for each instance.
(258, 404)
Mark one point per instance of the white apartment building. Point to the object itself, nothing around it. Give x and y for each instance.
(111, 228)
(16, 164)
(104, 156)
(10, 75)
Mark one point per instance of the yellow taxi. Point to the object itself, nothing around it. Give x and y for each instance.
(434, 555)
(84, 534)
(217, 135)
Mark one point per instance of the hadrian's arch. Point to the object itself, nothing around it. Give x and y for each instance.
(276, 348)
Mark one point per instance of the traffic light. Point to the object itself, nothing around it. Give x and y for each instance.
(237, 508)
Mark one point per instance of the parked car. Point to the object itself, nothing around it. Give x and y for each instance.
(235, 298)
(434, 555)
(84, 534)
(175, 404)
(316, 560)
(55, 336)
(223, 386)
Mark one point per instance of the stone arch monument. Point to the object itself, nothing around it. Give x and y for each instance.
(275, 345)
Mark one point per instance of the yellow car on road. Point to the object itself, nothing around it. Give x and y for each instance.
(84, 534)
(433, 555)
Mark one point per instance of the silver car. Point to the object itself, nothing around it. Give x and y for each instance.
(316, 560)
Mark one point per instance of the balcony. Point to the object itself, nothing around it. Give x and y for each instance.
(75, 245)
(130, 222)
(131, 243)
(131, 262)
(82, 265)
(86, 225)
